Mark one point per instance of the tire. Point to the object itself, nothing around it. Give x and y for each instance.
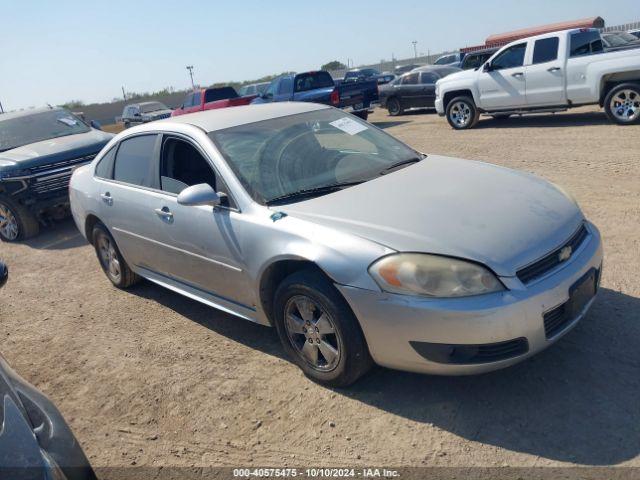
(622, 104)
(363, 115)
(16, 221)
(462, 113)
(394, 107)
(309, 291)
(107, 251)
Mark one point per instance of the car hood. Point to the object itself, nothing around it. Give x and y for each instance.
(54, 149)
(502, 218)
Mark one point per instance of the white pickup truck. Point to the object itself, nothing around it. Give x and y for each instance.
(545, 73)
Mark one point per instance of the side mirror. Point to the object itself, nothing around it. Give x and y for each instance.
(4, 274)
(201, 194)
(487, 67)
(267, 95)
(95, 125)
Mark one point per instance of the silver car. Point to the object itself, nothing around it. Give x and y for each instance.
(356, 247)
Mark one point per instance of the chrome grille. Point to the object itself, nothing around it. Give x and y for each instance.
(55, 176)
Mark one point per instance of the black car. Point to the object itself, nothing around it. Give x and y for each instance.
(35, 441)
(400, 69)
(474, 60)
(38, 151)
(413, 90)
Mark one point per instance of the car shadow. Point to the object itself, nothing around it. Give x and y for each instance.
(384, 125)
(59, 235)
(546, 120)
(576, 402)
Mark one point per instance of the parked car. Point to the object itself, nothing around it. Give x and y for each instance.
(137, 113)
(386, 77)
(450, 59)
(635, 33)
(550, 72)
(619, 40)
(318, 87)
(359, 74)
(413, 90)
(253, 89)
(400, 69)
(39, 149)
(355, 246)
(474, 60)
(211, 98)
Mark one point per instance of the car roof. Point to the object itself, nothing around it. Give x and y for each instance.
(441, 69)
(221, 118)
(31, 111)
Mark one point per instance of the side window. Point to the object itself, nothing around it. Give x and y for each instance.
(196, 99)
(545, 50)
(104, 168)
(134, 160)
(286, 85)
(188, 102)
(512, 57)
(428, 78)
(410, 79)
(182, 166)
(585, 43)
(271, 89)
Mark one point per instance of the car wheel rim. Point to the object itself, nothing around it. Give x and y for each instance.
(312, 333)
(625, 105)
(394, 107)
(109, 257)
(8, 223)
(460, 114)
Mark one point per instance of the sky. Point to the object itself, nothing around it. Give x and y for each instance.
(57, 51)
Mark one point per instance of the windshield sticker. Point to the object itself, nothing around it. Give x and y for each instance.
(68, 121)
(348, 125)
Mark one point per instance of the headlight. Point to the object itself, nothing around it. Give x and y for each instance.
(432, 275)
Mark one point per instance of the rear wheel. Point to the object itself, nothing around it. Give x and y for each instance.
(16, 221)
(462, 113)
(111, 260)
(622, 104)
(394, 107)
(318, 330)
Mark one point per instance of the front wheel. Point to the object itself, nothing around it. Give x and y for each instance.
(622, 104)
(318, 330)
(394, 107)
(462, 113)
(16, 221)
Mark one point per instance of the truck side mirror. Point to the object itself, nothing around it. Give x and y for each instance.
(95, 125)
(487, 67)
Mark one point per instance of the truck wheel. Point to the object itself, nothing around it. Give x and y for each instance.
(462, 113)
(113, 264)
(16, 221)
(319, 331)
(394, 107)
(622, 104)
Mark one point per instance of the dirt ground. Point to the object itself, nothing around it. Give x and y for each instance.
(147, 377)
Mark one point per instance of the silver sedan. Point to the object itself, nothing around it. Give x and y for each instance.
(356, 247)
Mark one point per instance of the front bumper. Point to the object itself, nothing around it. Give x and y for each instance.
(439, 104)
(392, 323)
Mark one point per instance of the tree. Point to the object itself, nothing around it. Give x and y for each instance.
(335, 65)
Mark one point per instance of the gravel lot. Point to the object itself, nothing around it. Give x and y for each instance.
(147, 377)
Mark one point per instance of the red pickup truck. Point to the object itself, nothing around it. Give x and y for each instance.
(210, 98)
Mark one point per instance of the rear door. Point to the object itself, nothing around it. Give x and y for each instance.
(545, 73)
(504, 86)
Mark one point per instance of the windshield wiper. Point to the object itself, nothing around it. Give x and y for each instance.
(402, 163)
(311, 192)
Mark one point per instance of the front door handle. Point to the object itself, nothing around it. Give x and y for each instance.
(553, 69)
(106, 198)
(517, 74)
(164, 213)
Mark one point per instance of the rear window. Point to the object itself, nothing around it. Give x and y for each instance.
(585, 43)
(545, 50)
(134, 160)
(312, 80)
(215, 94)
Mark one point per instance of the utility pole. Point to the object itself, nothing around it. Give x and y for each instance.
(415, 50)
(124, 95)
(190, 68)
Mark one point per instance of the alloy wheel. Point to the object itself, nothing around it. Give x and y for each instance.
(460, 114)
(625, 105)
(8, 223)
(109, 257)
(312, 333)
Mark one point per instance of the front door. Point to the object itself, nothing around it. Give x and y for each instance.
(409, 90)
(504, 85)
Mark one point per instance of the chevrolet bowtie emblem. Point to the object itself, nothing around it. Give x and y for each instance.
(565, 253)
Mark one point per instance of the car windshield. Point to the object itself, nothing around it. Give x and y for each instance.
(23, 130)
(276, 158)
(627, 37)
(152, 107)
(615, 40)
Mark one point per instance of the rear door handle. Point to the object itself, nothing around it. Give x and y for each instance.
(517, 74)
(164, 213)
(553, 69)
(106, 198)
